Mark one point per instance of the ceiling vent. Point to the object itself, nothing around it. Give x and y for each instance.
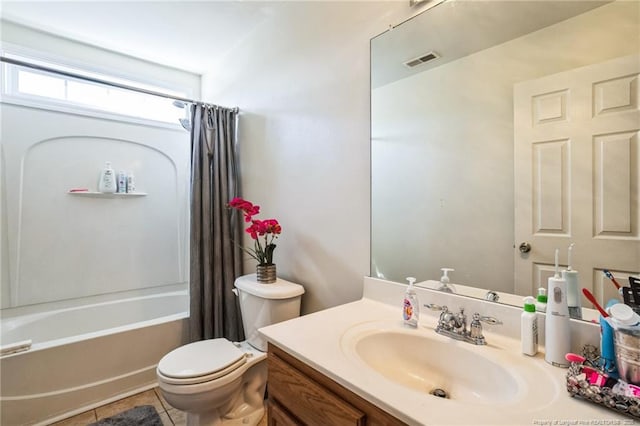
(421, 59)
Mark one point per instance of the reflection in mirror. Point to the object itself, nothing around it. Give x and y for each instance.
(519, 127)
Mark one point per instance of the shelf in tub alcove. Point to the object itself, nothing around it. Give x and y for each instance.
(95, 194)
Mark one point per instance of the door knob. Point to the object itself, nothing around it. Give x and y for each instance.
(524, 247)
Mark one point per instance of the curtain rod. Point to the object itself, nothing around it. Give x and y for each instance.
(105, 82)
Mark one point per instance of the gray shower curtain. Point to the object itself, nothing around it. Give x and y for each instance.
(216, 261)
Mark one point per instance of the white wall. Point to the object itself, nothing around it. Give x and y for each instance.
(100, 60)
(304, 91)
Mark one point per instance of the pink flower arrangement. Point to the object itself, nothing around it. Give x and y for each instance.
(268, 230)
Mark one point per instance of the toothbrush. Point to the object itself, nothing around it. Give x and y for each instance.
(593, 300)
(611, 277)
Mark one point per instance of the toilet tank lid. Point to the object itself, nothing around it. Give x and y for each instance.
(281, 289)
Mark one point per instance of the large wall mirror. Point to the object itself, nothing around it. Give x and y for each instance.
(501, 124)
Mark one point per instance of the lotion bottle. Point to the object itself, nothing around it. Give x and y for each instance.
(557, 328)
(411, 306)
(529, 327)
(107, 181)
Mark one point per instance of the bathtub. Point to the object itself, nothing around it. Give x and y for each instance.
(83, 355)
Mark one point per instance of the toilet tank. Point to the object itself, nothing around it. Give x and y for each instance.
(266, 304)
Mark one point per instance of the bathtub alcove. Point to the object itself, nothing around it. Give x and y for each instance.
(97, 284)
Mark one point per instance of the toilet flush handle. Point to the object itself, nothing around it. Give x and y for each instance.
(235, 291)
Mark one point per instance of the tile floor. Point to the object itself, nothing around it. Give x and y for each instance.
(169, 415)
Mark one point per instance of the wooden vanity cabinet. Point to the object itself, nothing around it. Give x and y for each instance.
(300, 395)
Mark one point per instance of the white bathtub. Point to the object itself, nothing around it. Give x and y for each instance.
(84, 356)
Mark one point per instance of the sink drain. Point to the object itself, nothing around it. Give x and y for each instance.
(440, 393)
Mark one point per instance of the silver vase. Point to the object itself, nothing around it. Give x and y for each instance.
(266, 274)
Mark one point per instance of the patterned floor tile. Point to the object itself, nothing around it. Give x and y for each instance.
(178, 417)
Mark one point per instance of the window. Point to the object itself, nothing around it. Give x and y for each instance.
(33, 86)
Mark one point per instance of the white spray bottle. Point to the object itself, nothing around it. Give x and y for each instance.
(573, 288)
(411, 306)
(557, 327)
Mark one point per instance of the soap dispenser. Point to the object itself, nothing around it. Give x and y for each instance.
(557, 327)
(411, 306)
(444, 281)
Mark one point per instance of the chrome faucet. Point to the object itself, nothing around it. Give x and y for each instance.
(455, 325)
(492, 296)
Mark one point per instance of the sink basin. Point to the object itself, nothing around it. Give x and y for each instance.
(425, 362)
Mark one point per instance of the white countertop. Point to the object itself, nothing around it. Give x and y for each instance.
(316, 340)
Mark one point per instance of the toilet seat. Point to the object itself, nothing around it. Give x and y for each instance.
(200, 362)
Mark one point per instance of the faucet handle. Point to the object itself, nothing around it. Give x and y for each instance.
(475, 332)
(487, 319)
(435, 307)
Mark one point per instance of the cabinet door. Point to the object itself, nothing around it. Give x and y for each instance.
(279, 417)
(302, 395)
(307, 400)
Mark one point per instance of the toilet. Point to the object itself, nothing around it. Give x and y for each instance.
(216, 381)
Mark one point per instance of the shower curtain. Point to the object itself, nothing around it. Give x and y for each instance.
(216, 261)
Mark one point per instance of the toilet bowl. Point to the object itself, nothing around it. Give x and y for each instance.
(219, 382)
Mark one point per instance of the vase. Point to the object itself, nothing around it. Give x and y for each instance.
(266, 273)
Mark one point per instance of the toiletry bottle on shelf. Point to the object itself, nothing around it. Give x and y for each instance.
(541, 300)
(529, 327)
(556, 326)
(411, 306)
(122, 182)
(444, 281)
(131, 183)
(573, 289)
(107, 182)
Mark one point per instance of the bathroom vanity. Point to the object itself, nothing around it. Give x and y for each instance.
(299, 393)
(358, 364)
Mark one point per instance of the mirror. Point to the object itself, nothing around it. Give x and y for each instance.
(500, 123)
